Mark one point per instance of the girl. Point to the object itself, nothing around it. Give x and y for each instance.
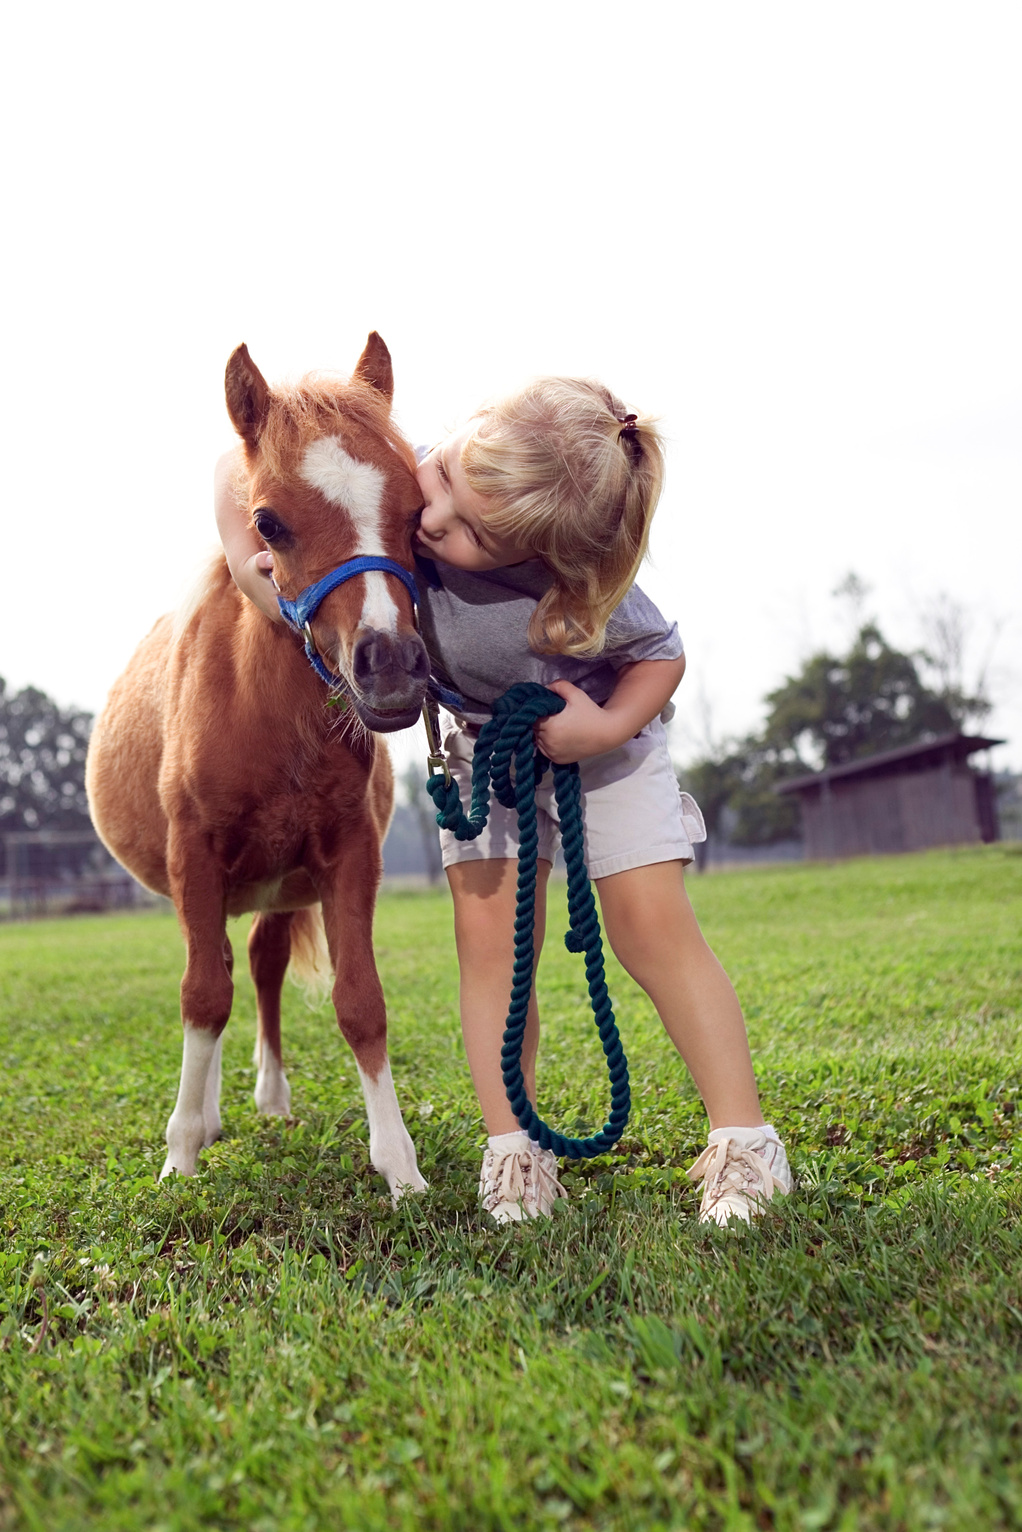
(535, 519)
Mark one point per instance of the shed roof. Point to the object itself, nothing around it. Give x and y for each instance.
(960, 746)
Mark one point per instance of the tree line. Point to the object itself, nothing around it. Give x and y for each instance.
(838, 707)
(42, 762)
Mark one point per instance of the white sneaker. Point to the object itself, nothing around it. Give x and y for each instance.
(518, 1179)
(741, 1169)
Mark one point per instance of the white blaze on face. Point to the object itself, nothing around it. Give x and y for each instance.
(358, 489)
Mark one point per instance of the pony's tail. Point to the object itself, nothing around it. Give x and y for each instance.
(310, 960)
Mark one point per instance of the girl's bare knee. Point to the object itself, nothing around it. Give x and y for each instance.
(484, 911)
(639, 962)
(648, 947)
(484, 946)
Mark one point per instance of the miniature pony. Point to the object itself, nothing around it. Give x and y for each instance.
(220, 774)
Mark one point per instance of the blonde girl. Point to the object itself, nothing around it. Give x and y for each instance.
(535, 519)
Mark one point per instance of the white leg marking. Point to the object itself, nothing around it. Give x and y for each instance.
(390, 1147)
(186, 1130)
(358, 489)
(272, 1092)
(211, 1100)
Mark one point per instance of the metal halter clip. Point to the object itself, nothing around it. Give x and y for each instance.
(435, 760)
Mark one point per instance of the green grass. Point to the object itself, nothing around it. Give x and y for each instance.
(271, 1345)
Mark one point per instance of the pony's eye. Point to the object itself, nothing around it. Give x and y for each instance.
(268, 527)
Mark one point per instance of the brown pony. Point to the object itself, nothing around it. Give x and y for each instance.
(220, 776)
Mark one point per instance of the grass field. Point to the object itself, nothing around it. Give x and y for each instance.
(272, 1346)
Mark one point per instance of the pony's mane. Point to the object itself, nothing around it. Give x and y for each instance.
(204, 582)
(322, 404)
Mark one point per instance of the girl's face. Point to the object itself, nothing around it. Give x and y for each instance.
(452, 526)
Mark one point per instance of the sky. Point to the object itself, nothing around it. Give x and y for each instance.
(790, 230)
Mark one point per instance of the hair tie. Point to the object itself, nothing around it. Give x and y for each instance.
(629, 434)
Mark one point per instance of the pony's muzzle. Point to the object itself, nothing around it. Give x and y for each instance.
(390, 672)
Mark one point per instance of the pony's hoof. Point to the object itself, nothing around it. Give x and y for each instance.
(186, 1134)
(403, 1188)
(170, 1168)
(273, 1095)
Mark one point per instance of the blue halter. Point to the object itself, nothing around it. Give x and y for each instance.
(298, 614)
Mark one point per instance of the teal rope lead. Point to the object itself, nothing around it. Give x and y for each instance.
(505, 738)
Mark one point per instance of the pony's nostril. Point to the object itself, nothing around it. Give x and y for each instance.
(365, 658)
(390, 660)
(414, 658)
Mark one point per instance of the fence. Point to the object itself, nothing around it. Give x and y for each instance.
(63, 872)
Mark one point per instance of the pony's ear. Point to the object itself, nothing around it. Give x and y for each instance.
(374, 367)
(248, 395)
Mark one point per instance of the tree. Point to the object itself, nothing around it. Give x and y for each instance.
(42, 762)
(946, 634)
(734, 789)
(840, 708)
(836, 709)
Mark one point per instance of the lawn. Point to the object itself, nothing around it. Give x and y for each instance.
(271, 1346)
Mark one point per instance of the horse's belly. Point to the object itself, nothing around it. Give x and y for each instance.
(123, 766)
(296, 891)
(196, 747)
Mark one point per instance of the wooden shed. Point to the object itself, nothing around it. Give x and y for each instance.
(901, 800)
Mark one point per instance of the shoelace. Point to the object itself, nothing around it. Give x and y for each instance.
(516, 1173)
(732, 1167)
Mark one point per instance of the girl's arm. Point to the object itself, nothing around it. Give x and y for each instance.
(584, 728)
(250, 563)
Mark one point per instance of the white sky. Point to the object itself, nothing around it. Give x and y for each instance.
(792, 230)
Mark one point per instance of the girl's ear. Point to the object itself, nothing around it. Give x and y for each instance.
(374, 367)
(248, 396)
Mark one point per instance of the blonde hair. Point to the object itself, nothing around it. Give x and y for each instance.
(575, 479)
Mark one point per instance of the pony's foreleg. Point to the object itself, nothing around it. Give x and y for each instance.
(206, 994)
(211, 1124)
(269, 948)
(362, 1015)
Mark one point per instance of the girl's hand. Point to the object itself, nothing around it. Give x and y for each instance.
(584, 728)
(250, 563)
(581, 730)
(255, 579)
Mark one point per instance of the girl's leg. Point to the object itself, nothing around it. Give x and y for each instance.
(484, 919)
(653, 931)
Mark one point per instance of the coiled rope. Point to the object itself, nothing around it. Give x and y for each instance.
(505, 738)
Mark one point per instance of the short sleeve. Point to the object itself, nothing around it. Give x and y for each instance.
(638, 630)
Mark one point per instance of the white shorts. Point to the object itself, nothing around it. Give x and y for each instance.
(633, 811)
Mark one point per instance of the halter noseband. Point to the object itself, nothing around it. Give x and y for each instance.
(298, 614)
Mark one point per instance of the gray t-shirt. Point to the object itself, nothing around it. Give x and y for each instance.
(475, 624)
